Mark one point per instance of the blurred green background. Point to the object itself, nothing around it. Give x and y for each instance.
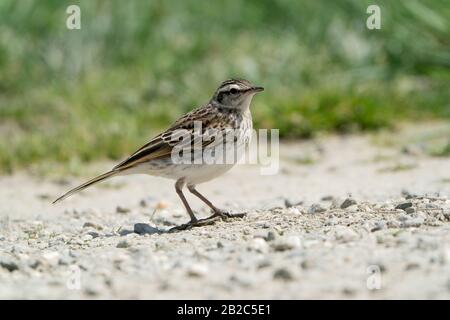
(72, 96)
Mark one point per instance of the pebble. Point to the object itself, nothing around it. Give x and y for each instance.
(345, 234)
(8, 264)
(241, 280)
(404, 205)
(197, 270)
(44, 196)
(143, 203)
(92, 289)
(431, 206)
(412, 266)
(283, 274)
(316, 208)
(307, 264)
(259, 245)
(289, 204)
(413, 150)
(123, 244)
(266, 235)
(87, 237)
(120, 257)
(147, 202)
(122, 210)
(332, 222)
(20, 248)
(52, 257)
(176, 213)
(415, 222)
(286, 243)
(271, 235)
(93, 234)
(293, 211)
(347, 203)
(125, 232)
(144, 228)
(34, 263)
(408, 195)
(92, 225)
(379, 225)
(65, 260)
(410, 210)
(348, 291)
(264, 264)
(445, 255)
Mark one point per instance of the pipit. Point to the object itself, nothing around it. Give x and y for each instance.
(179, 152)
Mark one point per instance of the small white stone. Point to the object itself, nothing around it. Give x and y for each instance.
(293, 211)
(120, 257)
(51, 257)
(87, 237)
(197, 270)
(178, 213)
(316, 208)
(92, 225)
(345, 234)
(259, 245)
(286, 243)
(415, 222)
(447, 255)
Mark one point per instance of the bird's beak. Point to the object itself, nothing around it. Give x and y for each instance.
(257, 89)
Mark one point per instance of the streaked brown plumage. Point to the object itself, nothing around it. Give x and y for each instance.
(227, 109)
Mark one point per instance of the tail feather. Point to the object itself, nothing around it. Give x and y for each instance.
(87, 184)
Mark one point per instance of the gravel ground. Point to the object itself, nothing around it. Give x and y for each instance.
(342, 219)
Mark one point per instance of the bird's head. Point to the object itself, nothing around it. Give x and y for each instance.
(236, 94)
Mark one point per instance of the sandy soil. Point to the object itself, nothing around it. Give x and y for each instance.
(390, 239)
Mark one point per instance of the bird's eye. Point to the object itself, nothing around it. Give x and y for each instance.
(233, 91)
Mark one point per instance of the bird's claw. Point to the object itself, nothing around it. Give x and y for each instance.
(226, 215)
(222, 215)
(192, 224)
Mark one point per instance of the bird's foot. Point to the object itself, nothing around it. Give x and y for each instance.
(226, 215)
(195, 223)
(218, 215)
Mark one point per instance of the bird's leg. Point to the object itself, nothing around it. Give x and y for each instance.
(217, 212)
(178, 188)
(194, 221)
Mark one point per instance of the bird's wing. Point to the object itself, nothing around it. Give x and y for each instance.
(161, 146)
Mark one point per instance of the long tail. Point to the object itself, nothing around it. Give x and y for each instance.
(88, 184)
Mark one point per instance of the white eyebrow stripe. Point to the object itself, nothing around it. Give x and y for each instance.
(229, 87)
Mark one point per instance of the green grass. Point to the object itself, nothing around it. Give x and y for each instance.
(442, 152)
(70, 97)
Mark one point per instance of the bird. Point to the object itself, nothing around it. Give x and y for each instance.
(179, 152)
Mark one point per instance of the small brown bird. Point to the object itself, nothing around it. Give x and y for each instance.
(227, 111)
